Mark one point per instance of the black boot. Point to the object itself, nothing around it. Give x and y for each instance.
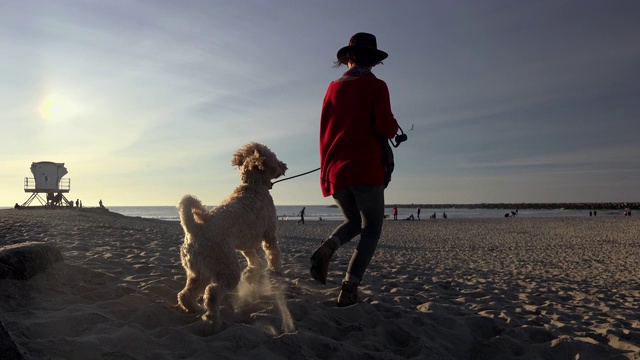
(320, 261)
(348, 294)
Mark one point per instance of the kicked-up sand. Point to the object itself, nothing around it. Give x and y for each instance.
(505, 288)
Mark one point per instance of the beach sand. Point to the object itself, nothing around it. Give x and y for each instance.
(506, 288)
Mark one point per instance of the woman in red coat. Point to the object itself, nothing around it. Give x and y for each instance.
(356, 115)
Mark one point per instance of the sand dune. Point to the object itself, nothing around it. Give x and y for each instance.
(548, 288)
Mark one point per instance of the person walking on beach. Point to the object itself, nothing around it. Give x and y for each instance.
(356, 114)
(301, 214)
(395, 213)
(418, 213)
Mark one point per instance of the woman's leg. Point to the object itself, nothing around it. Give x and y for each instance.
(342, 234)
(352, 225)
(370, 201)
(363, 210)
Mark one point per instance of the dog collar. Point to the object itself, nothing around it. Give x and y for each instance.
(258, 182)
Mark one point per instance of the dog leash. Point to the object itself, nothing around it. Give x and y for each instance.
(295, 176)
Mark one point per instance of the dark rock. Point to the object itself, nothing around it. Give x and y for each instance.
(22, 262)
(26, 260)
(8, 349)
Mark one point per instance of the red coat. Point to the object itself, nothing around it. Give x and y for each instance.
(350, 152)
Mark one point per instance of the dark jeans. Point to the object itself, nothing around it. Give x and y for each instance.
(363, 210)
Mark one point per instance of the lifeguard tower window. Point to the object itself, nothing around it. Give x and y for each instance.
(47, 178)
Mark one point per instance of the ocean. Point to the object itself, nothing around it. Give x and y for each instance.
(315, 212)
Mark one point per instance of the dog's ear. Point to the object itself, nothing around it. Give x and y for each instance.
(248, 160)
(238, 158)
(256, 160)
(248, 157)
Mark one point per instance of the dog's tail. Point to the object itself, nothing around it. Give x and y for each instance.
(190, 210)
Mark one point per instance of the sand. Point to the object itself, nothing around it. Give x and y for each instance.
(516, 288)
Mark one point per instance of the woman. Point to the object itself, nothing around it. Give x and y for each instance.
(356, 117)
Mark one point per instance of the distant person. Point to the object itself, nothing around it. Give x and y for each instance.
(101, 206)
(351, 160)
(77, 202)
(433, 216)
(418, 211)
(595, 213)
(57, 199)
(590, 213)
(301, 214)
(444, 215)
(395, 213)
(80, 204)
(411, 217)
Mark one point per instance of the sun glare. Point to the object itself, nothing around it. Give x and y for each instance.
(56, 107)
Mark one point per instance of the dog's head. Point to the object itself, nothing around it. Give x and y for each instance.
(257, 162)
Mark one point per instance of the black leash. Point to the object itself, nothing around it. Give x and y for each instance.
(295, 176)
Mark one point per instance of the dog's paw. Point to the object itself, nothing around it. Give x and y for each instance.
(175, 307)
(213, 324)
(186, 309)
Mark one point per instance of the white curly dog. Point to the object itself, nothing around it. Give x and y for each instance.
(242, 222)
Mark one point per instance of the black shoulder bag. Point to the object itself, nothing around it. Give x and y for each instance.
(387, 153)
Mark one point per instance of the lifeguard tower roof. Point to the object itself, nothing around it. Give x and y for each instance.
(47, 175)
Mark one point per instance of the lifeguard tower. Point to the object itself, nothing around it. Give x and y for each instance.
(47, 179)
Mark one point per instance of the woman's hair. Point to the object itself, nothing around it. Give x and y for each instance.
(357, 57)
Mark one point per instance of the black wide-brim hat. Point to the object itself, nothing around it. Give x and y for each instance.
(363, 43)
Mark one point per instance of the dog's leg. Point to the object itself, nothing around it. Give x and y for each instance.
(212, 296)
(253, 273)
(225, 280)
(188, 297)
(272, 251)
(253, 260)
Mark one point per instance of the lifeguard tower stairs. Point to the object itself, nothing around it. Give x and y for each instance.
(47, 179)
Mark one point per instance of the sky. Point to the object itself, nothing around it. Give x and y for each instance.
(145, 101)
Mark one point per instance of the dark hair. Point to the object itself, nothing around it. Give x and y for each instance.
(359, 58)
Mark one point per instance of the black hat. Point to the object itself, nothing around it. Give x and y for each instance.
(365, 43)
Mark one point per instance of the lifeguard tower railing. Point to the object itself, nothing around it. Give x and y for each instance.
(64, 186)
(51, 201)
